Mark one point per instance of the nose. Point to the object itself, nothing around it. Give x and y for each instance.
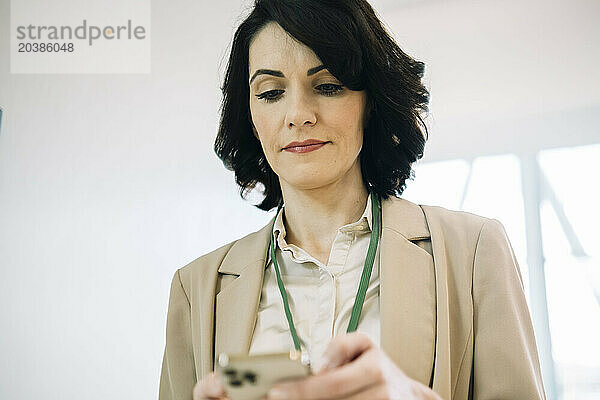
(301, 110)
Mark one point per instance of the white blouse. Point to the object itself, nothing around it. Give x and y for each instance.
(320, 296)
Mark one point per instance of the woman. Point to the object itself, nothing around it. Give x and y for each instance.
(322, 112)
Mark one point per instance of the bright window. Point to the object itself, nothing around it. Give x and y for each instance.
(569, 217)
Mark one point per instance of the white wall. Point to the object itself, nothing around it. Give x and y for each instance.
(505, 75)
(108, 183)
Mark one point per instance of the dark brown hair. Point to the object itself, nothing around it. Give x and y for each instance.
(352, 43)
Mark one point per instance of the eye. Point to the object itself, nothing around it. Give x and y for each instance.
(327, 89)
(330, 89)
(269, 96)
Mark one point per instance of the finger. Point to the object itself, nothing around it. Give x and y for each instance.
(375, 392)
(210, 387)
(340, 382)
(355, 376)
(343, 349)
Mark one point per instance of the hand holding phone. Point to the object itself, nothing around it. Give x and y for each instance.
(210, 387)
(249, 377)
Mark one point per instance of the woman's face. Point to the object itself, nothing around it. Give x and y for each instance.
(290, 102)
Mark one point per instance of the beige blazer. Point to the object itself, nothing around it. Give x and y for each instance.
(453, 310)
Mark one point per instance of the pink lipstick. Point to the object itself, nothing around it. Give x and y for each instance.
(305, 146)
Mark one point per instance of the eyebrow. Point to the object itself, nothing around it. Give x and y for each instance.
(279, 74)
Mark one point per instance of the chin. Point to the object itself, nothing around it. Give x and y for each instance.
(309, 180)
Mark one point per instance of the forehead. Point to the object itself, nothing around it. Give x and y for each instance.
(273, 47)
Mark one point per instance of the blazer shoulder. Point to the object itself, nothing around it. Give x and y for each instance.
(454, 221)
(203, 266)
(235, 252)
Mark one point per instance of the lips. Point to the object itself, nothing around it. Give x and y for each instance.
(309, 143)
(305, 146)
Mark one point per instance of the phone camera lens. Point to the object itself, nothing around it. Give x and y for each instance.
(250, 376)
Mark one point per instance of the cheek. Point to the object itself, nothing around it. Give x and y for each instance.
(346, 119)
(265, 124)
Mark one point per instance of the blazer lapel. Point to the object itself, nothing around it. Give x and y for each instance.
(236, 304)
(407, 291)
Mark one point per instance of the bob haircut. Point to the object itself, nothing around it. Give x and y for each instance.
(350, 40)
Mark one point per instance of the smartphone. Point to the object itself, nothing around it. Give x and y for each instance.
(249, 377)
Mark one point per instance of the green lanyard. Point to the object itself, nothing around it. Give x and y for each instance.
(364, 279)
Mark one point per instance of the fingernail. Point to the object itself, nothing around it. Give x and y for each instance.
(277, 394)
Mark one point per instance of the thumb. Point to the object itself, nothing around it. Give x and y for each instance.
(345, 348)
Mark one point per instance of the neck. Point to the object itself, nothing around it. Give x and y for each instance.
(313, 216)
